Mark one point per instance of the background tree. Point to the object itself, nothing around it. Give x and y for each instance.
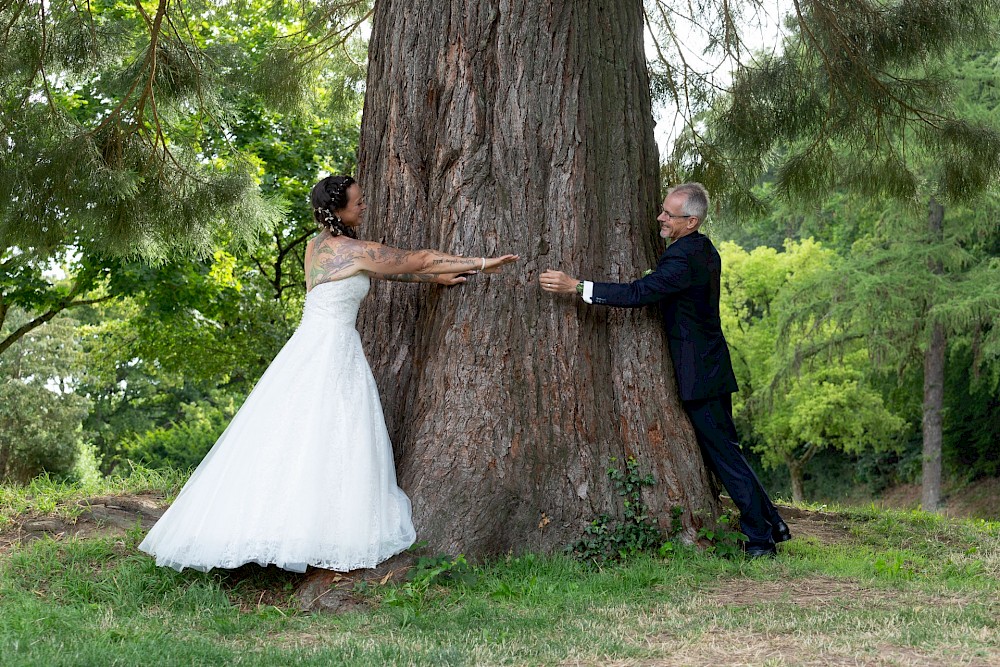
(41, 413)
(796, 407)
(911, 289)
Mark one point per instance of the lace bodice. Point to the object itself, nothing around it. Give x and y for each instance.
(337, 301)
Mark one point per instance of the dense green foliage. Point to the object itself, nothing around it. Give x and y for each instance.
(972, 439)
(793, 408)
(181, 444)
(186, 133)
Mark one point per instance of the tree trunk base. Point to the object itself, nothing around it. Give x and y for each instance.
(325, 591)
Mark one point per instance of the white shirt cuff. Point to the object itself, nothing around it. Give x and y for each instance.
(588, 291)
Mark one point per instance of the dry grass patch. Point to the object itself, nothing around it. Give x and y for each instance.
(717, 646)
(824, 527)
(820, 592)
(812, 592)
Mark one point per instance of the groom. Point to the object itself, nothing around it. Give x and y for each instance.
(685, 283)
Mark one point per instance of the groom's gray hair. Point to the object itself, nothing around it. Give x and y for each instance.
(695, 199)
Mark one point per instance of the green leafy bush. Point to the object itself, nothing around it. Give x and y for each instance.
(636, 533)
(725, 539)
(184, 443)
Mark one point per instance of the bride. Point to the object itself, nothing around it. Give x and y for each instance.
(303, 475)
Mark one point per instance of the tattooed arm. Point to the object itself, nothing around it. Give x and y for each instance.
(440, 278)
(380, 259)
(334, 258)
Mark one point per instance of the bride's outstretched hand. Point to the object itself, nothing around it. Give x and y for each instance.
(493, 264)
(449, 279)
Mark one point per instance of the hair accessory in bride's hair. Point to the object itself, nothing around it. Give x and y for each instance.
(333, 223)
(328, 217)
(336, 187)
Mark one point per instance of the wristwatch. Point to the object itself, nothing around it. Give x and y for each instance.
(579, 287)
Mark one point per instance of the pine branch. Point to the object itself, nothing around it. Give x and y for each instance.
(202, 105)
(857, 85)
(89, 21)
(41, 59)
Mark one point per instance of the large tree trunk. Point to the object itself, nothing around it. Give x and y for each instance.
(933, 387)
(520, 127)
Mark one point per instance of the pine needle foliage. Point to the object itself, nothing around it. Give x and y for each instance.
(859, 96)
(122, 133)
(890, 294)
(112, 114)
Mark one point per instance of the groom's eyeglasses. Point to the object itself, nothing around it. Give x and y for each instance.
(671, 215)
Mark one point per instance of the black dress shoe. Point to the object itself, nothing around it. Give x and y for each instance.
(760, 552)
(780, 532)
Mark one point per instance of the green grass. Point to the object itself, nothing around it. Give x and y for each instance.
(903, 588)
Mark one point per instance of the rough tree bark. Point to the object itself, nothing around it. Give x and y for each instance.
(524, 127)
(934, 359)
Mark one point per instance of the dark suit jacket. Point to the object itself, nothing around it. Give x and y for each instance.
(686, 286)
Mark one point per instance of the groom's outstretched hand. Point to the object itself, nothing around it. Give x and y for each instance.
(558, 282)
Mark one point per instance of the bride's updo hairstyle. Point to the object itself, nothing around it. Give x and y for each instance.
(328, 197)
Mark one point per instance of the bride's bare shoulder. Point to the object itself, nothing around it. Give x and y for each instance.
(342, 244)
(331, 258)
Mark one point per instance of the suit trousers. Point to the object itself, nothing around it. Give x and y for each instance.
(712, 419)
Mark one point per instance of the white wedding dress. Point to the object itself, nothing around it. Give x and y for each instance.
(303, 475)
